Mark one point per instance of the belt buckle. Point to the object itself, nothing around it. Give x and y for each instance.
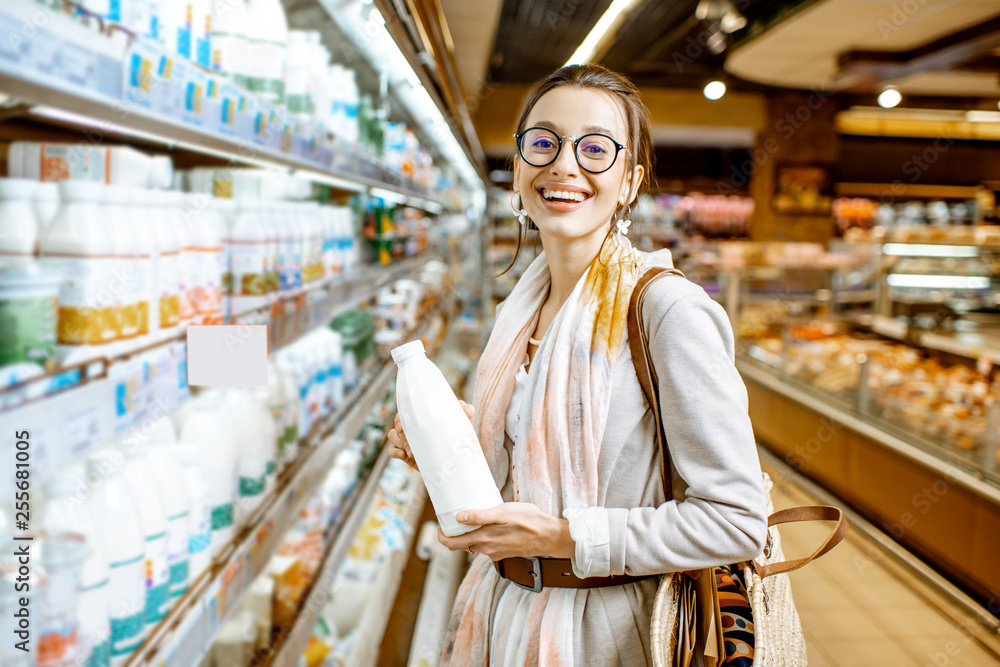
(536, 573)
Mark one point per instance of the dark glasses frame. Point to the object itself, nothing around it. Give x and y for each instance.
(576, 142)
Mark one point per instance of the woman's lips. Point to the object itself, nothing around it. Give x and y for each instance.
(562, 206)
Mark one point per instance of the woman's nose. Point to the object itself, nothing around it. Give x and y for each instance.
(565, 163)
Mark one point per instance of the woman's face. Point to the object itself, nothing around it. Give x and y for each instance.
(585, 212)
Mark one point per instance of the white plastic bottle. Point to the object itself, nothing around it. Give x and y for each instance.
(332, 346)
(46, 204)
(442, 439)
(119, 523)
(208, 429)
(229, 41)
(19, 226)
(268, 39)
(69, 507)
(187, 288)
(148, 498)
(169, 264)
(225, 211)
(268, 432)
(163, 462)
(253, 452)
(250, 266)
(297, 81)
(82, 242)
(148, 252)
(127, 290)
(196, 491)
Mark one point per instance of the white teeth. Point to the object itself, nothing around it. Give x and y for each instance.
(563, 194)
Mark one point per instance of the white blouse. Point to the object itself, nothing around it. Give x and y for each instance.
(514, 408)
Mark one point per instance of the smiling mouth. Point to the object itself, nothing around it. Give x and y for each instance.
(563, 196)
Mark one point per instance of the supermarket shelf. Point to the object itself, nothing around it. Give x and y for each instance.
(346, 292)
(378, 609)
(187, 631)
(755, 372)
(962, 343)
(84, 99)
(290, 651)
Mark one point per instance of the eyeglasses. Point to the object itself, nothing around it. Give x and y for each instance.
(595, 153)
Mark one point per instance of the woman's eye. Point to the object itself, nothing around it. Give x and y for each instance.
(595, 149)
(542, 143)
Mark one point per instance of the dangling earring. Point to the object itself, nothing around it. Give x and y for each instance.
(621, 227)
(522, 215)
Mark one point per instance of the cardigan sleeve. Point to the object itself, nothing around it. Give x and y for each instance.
(703, 400)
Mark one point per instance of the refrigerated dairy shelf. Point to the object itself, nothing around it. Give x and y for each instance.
(187, 631)
(62, 75)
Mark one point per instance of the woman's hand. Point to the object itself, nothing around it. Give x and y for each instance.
(399, 448)
(512, 529)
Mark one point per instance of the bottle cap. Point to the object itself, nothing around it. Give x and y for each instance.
(407, 350)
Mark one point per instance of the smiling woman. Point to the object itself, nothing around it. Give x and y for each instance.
(566, 567)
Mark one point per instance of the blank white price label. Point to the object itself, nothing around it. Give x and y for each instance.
(227, 355)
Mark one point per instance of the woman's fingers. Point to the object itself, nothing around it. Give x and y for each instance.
(470, 411)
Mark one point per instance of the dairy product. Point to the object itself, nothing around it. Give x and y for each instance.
(254, 452)
(170, 263)
(69, 507)
(147, 251)
(207, 230)
(199, 511)
(267, 32)
(250, 265)
(208, 428)
(62, 555)
(131, 299)
(229, 41)
(88, 318)
(168, 473)
(19, 226)
(268, 433)
(442, 439)
(46, 204)
(29, 303)
(122, 537)
(146, 492)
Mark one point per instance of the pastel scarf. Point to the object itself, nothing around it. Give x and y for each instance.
(563, 416)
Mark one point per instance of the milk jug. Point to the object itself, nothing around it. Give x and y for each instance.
(442, 439)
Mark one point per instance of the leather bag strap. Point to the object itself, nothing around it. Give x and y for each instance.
(639, 347)
(806, 513)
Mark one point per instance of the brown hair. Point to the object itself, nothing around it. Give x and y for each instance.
(623, 91)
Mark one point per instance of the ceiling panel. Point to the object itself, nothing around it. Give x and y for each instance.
(811, 41)
(473, 26)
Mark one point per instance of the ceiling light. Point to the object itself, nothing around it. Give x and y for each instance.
(889, 98)
(982, 116)
(712, 10)
(714, 90)
(588, 46)
(733, 21)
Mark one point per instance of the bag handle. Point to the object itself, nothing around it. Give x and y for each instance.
(805, 513)
(641, 359)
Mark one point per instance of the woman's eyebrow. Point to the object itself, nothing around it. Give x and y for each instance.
(549, 125)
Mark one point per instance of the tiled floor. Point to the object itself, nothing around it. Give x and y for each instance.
(860, 608)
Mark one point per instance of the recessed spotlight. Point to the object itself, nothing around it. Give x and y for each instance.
(889, 98)
(714, 90)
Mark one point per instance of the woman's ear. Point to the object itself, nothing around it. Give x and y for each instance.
(633, 181)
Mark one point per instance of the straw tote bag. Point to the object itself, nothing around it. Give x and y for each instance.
(721, 616)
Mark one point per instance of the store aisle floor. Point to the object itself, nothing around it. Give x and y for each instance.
(861, 608)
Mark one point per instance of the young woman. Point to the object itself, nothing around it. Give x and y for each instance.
(562, 419)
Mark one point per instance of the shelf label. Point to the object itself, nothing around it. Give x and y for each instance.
(77, 64)
(43, 53)
(14, 45)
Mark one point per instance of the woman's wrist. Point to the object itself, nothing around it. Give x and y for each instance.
(561, 544)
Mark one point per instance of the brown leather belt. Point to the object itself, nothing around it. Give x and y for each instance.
(537, 573)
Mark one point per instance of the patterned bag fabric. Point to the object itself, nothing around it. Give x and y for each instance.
(737, 616)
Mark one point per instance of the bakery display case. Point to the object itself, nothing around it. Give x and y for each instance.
(896, 413)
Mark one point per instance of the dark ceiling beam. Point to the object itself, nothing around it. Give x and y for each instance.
(863, 70)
